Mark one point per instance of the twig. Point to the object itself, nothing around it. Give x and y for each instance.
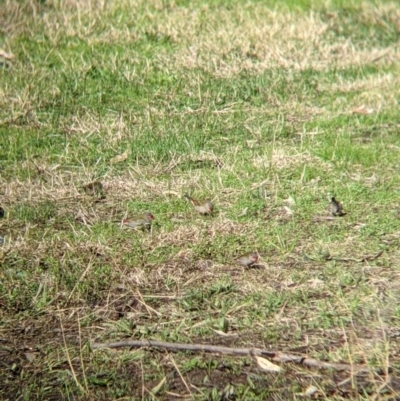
(162, 296)
(367, 258)
(148, 308)
(69, 358)
(180, 374)
(40, 289)
(80, 279)
(80, 354)
(143, 388)
(275, 356)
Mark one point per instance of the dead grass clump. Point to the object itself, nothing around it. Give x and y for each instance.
(223, 42)
(282, 158)
(255, 39)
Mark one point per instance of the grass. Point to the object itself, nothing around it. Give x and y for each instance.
(266, 109)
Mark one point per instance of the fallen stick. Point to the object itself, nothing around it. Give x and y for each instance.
(275, 356)
(367, 258)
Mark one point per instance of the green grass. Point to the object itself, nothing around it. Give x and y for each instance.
(265, 108)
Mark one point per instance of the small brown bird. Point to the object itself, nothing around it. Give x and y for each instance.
(94, 188)
(143, 220)
(201, 206)
(248, 259)
(335, 207)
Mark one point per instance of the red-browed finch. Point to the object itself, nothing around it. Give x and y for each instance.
(201, 206)
(143, 220)
(248, 259)
(94, 188)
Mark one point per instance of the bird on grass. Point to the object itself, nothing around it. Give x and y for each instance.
(94, 188)
(248, 259)
(202, 206)
(335, 207)
(141, 221)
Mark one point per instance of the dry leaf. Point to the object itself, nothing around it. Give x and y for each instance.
(266, 365)
(119, 158)
(362, 110)
(30, 356)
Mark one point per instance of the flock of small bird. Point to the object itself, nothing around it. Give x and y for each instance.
(204, 207)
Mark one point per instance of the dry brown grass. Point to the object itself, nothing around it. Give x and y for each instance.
(222, 41)
(71, 275)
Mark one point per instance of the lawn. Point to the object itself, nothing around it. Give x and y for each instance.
(266, 108)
